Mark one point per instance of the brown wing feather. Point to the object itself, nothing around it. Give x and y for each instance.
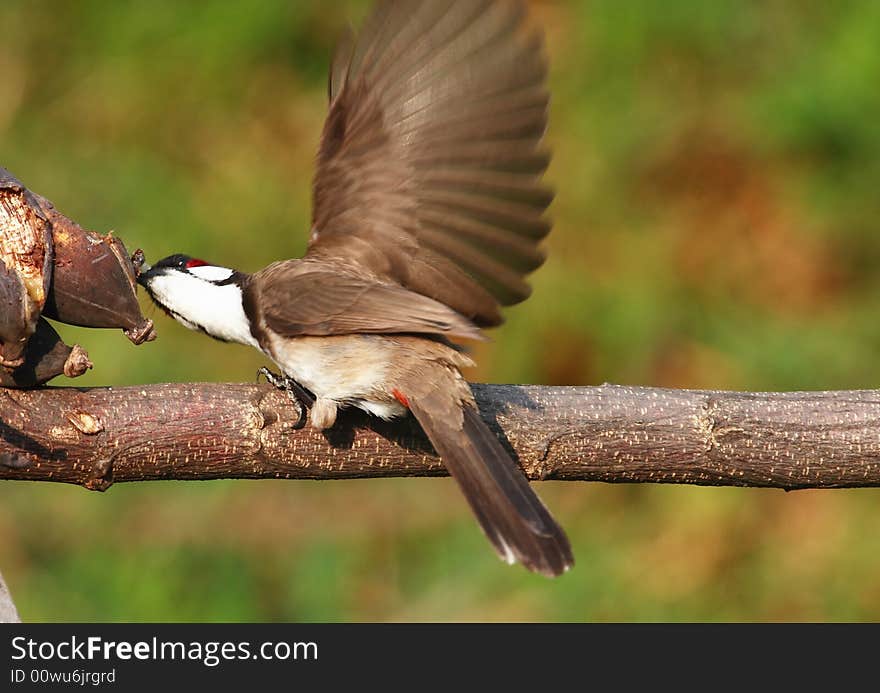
(298, 297)
(429, 170)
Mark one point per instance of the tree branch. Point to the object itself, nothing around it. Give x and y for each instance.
(95, 437)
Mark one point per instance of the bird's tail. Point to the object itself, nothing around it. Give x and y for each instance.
(512, 516)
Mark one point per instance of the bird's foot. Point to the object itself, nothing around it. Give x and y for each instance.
(302, 398)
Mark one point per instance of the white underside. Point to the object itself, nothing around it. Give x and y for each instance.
(381, 409)
(350, 371)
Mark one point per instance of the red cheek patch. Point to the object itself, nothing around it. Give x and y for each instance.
(400, 397)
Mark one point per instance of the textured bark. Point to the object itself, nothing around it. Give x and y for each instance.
(26, 255)
(95, 437)
(50, 266)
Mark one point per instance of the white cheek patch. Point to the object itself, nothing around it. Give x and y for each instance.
(166, 287)
(211, 273)
(201, 305)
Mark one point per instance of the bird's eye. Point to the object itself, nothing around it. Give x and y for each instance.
(193, 262)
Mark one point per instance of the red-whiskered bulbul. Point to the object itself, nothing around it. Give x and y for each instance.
(428, 209)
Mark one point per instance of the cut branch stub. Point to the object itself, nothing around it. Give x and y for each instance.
(26, 254)
(51, 266)
(94, 283)
(46, 356)
(15, 328)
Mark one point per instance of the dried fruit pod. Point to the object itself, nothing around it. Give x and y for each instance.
(46, 356)
(26, 254)
(94, 283)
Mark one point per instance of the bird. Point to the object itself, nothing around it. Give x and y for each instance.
(428, 211)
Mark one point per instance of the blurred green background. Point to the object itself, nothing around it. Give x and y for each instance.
(717, 168)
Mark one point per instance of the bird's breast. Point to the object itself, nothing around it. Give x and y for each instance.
(344, 368)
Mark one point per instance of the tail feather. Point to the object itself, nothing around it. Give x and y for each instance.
(511, 515)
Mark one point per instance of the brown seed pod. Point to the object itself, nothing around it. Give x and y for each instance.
(26, 254)
(94, 283)
(46, 356)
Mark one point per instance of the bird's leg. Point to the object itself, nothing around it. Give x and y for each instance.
(300, 396)
(323, 414)
(279, 380)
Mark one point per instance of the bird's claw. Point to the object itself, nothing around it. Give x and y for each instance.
(301, 397)
(276, 379)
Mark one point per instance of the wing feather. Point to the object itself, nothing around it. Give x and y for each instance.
(430, 165)
(297, 297)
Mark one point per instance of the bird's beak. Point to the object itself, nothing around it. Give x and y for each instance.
(145, 275)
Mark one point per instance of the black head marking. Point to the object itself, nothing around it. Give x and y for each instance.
(180, 261)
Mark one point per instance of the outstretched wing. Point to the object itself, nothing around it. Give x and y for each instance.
(299, 297)
(430, 161)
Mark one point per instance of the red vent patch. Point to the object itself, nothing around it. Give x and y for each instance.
(400, 397)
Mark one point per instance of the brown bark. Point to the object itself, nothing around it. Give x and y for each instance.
(95, 437)
(50, 266)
